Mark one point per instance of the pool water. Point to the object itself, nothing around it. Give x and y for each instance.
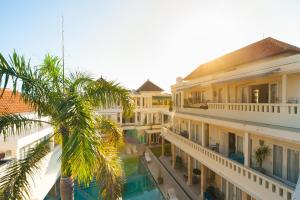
(139, 184)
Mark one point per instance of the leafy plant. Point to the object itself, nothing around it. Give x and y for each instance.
(178, 162)
(260, 154)
(160, 178)
(89, 142)
(197, 171)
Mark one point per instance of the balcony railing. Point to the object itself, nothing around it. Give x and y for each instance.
(277, 114)
(258, 185)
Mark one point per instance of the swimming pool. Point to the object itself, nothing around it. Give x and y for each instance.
(139, 184)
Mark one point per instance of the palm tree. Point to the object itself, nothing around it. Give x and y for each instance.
(89, 142)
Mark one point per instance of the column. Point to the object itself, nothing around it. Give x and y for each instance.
(244, 196)
(246, 149)
(173, 155)
(204, 135)
(204, 172)
(227, 94)
(182, 99)
(121, 118)
(190, 170)
(162, 146)
(189, 129)
(284, 88)
(135, 118)
(149, 138)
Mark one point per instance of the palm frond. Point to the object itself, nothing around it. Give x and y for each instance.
(79, 81)
(14, 184)
(104, 94)
(80, 148)
(51, 70)
(14, 124)
(109, 172)
(109, 130)
(33, 87)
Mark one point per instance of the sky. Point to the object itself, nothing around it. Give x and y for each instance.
(130, 41)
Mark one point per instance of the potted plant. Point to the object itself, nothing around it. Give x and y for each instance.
(196, 173)
(178, 162)
(160, 179)
(260, 154)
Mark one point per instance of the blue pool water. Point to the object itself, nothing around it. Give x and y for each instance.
(139, 185)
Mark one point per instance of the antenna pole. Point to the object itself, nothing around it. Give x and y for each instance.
(63, 50)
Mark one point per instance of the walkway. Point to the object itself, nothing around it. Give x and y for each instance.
(193, 190)
(155, 168)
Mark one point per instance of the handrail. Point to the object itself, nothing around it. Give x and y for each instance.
(252, 107)
(276, 189)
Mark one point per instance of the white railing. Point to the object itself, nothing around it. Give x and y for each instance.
(275, 114)
(293, 109)
(256, 184)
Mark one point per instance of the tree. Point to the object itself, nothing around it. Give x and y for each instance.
(89, 142)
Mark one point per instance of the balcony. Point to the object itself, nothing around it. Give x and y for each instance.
(287, 115)
(254, 183)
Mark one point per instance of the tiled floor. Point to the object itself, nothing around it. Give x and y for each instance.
(168, 181)
(193, 190)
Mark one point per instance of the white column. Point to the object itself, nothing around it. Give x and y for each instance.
(162, 146)
(121, 117)
(182, 99)
(284, 88)
(203, 179)
(227, 94)
(204, 135)
(135, 118)
(190, 170)
(173, 155)
(189, 129)
(246, 149)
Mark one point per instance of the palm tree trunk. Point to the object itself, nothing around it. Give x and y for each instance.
(66, 182)
(66, 188)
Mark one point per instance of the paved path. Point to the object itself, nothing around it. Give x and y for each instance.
(154, 167)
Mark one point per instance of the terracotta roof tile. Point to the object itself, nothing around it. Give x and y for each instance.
(10, 103)
(259, 50)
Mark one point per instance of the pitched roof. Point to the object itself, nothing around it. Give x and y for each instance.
(10, 103)
(259, 50)
(148, 86)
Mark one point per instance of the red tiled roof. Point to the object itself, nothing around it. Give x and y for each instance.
(10, 103)
(259, 50)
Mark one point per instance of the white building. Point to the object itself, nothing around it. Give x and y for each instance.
(229, 110)
(15, 147)
(145, 124)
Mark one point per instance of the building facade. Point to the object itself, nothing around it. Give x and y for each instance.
(15, 147)
(236, 124)
(145, 124)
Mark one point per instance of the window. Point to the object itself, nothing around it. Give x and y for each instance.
(292, 165)
(274, 90)
(239, 146)
(277, 161)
